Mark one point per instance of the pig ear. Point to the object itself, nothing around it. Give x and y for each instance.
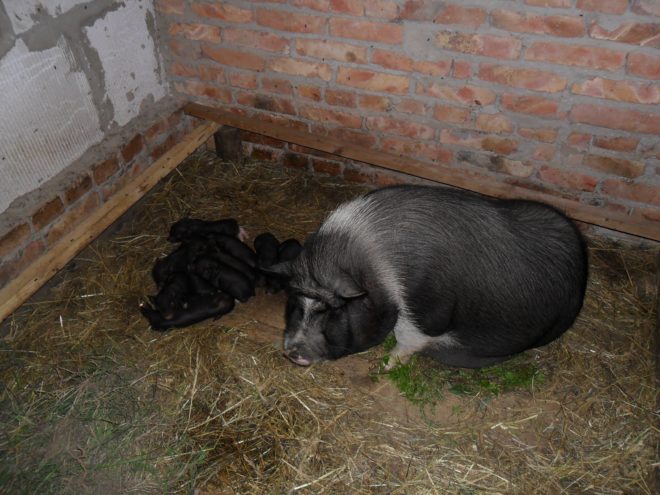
(281, 270)
(348, 289)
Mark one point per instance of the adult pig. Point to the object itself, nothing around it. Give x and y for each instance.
(466, 279)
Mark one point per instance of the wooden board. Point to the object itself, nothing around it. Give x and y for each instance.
(445, 175)
(60, 253)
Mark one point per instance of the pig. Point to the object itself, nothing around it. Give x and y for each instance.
(236, 248)
(173, 295)
(199, 309)
(463, 278)
(266, 248)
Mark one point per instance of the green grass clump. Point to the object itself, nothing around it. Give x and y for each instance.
(422, 381)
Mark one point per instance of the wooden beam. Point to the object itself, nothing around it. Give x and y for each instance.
(445, 175)
(60, 253)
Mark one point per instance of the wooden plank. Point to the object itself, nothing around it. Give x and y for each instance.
(60, 253)
(445, 175)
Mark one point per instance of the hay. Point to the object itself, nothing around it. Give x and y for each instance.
(92, 401)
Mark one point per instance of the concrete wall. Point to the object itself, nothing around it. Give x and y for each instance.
(84, 106)
(556, 95)
(70, 72)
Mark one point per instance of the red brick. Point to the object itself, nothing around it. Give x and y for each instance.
(373, 81)
(264, 154)
(582, 56)
(309, 92)
(616, 143)
(353, 7)
(170, 6)
(234, 58)
(374, 103)
(293, 160)
(544, 152)
(451, 114)
(184, 49)
(78, 190)
(629, 32)
(267, 102)
(404, 128)
(467, 95)
(277, 85)
(646, 7)
(72, 217)
(535, 105)
(159, 150)
(614, 166)
(379, 32)
(616, 118)
(411, 106)
(544, 134)
(568, 179)
(412, 148)
(196, 32)
(536, 80)
(353, 175)
(419, 10)
(494, 123)
(222, 11)
(382, 9)
(331, 116)
(104, 170)
(579, 140)
(182, 70)
(641, 193)
(550, 3)
(134, 146)
(289, 21)
(245, 81)
(197, 88)
(462, 69)
(326, 167)
(516, 168)
(212, 74)
(555, 25)
(154, 132)
(618, 90)
(12, 240)
(495, 144)
(647, 213)
(301, 68)
(604, 6)
(463, 16)
(399, 61)
(480, 44)
(25, 258)
(499, 145)
(256, 39)
(340, 98)
(344, 52)
(643, 65)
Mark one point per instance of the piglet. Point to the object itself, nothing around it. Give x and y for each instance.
(224, 278)
(174, 294)
(236, 248)
(288, 250)
(199, 309)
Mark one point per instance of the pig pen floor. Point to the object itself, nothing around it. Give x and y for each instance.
(93, 401)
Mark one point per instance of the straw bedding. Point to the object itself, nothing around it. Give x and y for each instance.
(93, 401)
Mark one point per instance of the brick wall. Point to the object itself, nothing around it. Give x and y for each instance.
(556, 95)
(27, 231)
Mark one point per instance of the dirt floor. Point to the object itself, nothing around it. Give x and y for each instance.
(92, 401)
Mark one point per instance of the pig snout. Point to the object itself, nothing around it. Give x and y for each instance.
(293, 354)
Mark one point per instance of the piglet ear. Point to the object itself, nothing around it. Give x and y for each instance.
(347, 288)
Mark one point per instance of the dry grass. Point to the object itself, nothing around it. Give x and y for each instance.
(93, 401)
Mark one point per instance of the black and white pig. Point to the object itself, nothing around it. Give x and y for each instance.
(463, 278)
